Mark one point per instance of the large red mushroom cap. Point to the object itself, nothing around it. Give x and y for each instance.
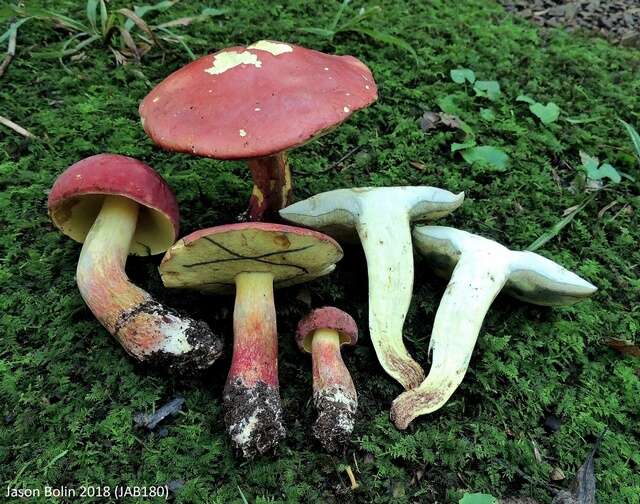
(76, 198)
(255, 101)
(327, 317)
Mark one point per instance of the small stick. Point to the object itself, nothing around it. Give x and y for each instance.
(352, 478)
(16, 127)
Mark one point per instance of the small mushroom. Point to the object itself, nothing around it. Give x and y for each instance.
(322, 333)
(479, 269)
(117, 205)
(252, 259)
(255, 103)
(381, 216)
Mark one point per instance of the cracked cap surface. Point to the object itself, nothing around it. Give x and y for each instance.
(210, 259)
(254, 101)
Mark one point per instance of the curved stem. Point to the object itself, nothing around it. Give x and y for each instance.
(272, 186)
(389, 252)
(146, 330)
(334, 394)
(476, 281)
(253, 410)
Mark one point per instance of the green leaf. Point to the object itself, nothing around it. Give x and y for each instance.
(487, 89)
(459, 75)
(546, 113)
(488, 156)
(448, 104)
(461, 146)
(477, 498)
(526, 99)
(608, 171)
(635, 137)
(487, 114)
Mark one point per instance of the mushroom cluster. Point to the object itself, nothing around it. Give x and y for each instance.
(255, 103)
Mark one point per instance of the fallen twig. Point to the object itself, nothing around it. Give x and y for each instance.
(16, 127)
(151, 421)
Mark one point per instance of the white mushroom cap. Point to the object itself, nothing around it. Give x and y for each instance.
(381, 216)
(531, 277)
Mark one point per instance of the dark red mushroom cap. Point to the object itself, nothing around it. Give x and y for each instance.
(77, 195)
(327, 317)
(255, 101)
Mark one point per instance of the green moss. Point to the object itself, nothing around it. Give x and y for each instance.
(68, 393)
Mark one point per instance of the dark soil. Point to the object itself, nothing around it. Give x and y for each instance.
(253, 416)
(617, 20)
(336, 418)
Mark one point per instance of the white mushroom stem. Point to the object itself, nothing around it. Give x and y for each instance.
(481, 268)
(146, 330)
(381, 217)
(475, 283)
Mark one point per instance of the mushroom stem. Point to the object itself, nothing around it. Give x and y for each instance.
(272, 185)
(253, 411)
(334, 394)
(389, 251)
(475, 282)
(146, 329)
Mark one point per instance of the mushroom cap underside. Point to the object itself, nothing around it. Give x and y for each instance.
(210, 259)
(531, 277)
(76, 198)
(255, 101)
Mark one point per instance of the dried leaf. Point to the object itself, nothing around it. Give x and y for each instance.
(583, 487)
(625, 347)
(430, 120)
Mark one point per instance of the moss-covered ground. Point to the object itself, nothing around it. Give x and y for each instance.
(68, 393)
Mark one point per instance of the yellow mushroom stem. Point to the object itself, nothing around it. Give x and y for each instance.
(145, 329)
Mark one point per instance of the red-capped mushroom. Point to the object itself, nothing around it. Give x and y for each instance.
(255, 103)
(252, 259)
(322, 333)
(116, 206)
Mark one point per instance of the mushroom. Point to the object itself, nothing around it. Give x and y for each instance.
(116, 205)
(479, 270)
(322, 333)
(255, 103)
(251, 258)
(381, 216)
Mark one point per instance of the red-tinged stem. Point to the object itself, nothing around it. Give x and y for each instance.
(334, 394)
(272, 186)
(255, 333)
(253, 410)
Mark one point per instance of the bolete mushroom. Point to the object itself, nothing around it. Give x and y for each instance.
(322, 333)
(251, 258)
(381, 216)
(255, 103)
(116, 206)
(479, 269)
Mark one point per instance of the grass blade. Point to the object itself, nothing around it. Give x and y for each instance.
(554, 230)
(104, 17)
(179, 40)
(388, 39)
(92, 14)
(336, 19)
(321, 32)
(635, 137)
(140, 23)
